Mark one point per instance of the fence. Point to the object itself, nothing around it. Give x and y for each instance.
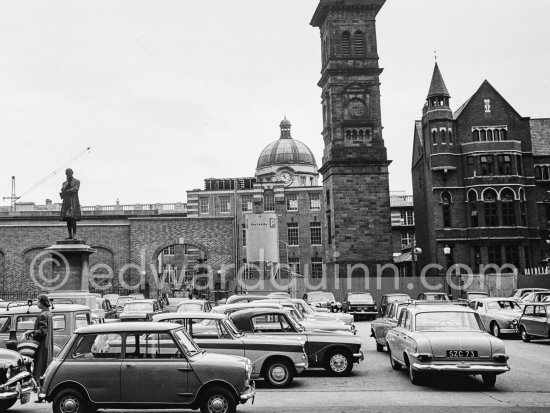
(18, 295)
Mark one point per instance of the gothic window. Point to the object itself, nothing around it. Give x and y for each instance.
(434, 137)
(361, 134)
(519, 165)
(490, 204)
(359, 43)
(483, 135)
(545, 174)
(450, 137)
(446, 207)
(507, 207)
(522, 208)
(476, 135)
(472, 202)
(496, 134)
(503, 134)
(354, 134)
(348, 135)
(443, 139)
(489, 134)
(346, 44)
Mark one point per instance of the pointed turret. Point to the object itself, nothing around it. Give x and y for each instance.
(438, 95)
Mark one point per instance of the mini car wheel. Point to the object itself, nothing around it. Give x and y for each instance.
(279, 373)
(495, 329)
(524, 336)
(69, 401)
(338, 362)
(218, 400)
(489, 379)
(394, 364)
(6, 404)
(379, 347)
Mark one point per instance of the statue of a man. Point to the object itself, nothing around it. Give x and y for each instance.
(70, 209)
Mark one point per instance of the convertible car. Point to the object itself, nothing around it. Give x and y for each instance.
(445, 339)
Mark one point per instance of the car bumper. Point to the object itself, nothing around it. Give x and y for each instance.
(358, 357)
(18, 387)
(367, 312)
(509, 331)
(300, 367)
(248, 394)
(464, 368)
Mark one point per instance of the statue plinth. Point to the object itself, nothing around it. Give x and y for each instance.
(72, 270)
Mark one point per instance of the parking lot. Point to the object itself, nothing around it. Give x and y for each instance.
(375, 387)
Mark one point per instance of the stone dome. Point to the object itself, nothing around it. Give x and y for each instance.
(286, 151)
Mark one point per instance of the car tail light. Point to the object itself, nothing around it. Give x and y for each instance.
(500, 357)
(424, 356)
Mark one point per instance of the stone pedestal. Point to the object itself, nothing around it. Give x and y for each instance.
(73, 272)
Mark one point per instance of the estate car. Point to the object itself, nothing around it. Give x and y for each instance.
(534, 323)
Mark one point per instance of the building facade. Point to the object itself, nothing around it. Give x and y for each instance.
(480, 194)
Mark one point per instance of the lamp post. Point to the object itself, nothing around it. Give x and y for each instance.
(414, 252)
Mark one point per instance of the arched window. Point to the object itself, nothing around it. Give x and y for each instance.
(348, 134)
(496, 135)
(483, 135)
(538, 172)
(446, 201)
(443, 138)
(476, 136)
(507, 207)
(519, 165)
(545, 175)
(522, 194)
(489, 134)
(450, 137)
(434, 137)
(346, 44)
(359, 43)
(355, 134)
(522, 207)
(472, 203)
(361, 134)
(490, 206)
(503, 134)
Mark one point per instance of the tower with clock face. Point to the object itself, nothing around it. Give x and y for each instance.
(355, 164)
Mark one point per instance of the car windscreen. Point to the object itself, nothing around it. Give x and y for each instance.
(475, 296)
(365, 296)
(190, 307)
(447, 321)
(186, 342)
(121, 301)
(393, 298)
(503, 305)
(317, 296)
(228, 323)
(5, 323)
(138, 307)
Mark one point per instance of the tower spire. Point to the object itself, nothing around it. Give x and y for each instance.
(437, 86)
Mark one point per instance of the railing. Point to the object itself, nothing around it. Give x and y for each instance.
(537, 271)
(18, 295)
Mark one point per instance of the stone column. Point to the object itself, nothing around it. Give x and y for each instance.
(71, 268)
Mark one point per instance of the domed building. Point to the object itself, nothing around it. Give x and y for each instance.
(288, 161)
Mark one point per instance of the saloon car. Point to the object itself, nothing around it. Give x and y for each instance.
(323, 299)
(335, 352)
(194, 306)
(121, 302)
(381, 326)
(244, 298)
(144, 365)
(534, 297)
(535, 321)
(310, 312)
(140, 310)
(275, 360)
(499, 315)
(390, 298)
(360, 304)
(429, 296)
(520, 292)
(18, 318)
(16, 382)
(445, 339)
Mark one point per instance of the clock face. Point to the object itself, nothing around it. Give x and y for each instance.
(285, 177)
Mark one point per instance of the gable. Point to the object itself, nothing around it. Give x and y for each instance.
(418, 143)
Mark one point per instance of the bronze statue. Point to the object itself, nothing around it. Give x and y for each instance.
(70, 209)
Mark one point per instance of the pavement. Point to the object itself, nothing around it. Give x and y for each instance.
(375, 387)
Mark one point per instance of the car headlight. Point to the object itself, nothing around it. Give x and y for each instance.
(513, 323)
(338, 304)
(375, 307)
(8, 373)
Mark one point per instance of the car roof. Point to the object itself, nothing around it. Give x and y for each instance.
(439, 308)
(139, 326)
(194, 314)
(146, 300)
(488, 299)
(254, 311)
(360, 292)
(194, 300)
(538, 303)
(57, 308)
(256, 304)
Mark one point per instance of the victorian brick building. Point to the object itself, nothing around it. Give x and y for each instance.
(479, 181)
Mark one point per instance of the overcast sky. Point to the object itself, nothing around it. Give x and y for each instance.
(169, 92)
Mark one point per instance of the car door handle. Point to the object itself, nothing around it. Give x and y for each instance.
(130, 364)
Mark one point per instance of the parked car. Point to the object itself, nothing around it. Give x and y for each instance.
(279, 294)
(520, 292)
(474, 295)
(194, 306)
(379, 328)
(140, 310)
(245, 298)
(106, 310)
(323, 299)
(429, 296)
(16, 382)
(173, 303)
(121, 302)
(111, 298)
(445, 339)
(275, 360)
(18, 318)
(335, 352)
(312, 313)
(499, 315)
(360, 304)
(534, 297)
(109, 366)
(390, 298)
(534, 322)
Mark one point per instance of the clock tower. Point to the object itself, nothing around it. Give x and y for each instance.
(355, 164)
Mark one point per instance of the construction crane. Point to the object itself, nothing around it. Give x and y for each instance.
(14, 198)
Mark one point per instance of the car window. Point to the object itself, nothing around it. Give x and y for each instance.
(472, 305)
(528, 297)
(401, 318)
(97, 346)
(540, 311)
(503, 305)
(269, 323)
(138, 306)
(82, 320)
(407, 322)
(5, 323)
(447, 321)
(150, 346)
(529, 310)
(480, 305)
(190, 307)
(389, 310)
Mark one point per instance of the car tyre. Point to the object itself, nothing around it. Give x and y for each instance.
(339, 362)
(415, 376)
(218, 400)
(524, 336)
(495, 329)
(6, 404)
(394, 364)
(489, 380)
(279, 373)
(379, 347)
(70, 401)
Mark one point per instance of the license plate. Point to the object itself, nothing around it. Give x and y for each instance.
(25, 398)
(461, 354)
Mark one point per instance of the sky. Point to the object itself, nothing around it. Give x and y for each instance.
(168, 93)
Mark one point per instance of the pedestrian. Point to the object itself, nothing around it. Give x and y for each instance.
(43, 333)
